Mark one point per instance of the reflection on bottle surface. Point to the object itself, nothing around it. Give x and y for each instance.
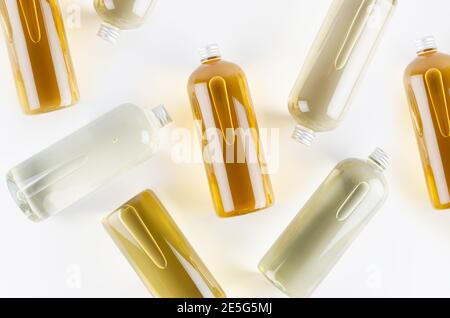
(335, 63)
(158, 251)
(427, 83)
(39, 55)
(325, 227)
(231, 145)
(74, 167)
(120, 15)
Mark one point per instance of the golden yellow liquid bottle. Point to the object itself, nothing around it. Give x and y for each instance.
(39, 55)
(167, 264)
(427, 83)
(232, 152)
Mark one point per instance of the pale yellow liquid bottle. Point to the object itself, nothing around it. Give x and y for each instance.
(118, 15)
(333, 68)
(232, 152)
(427, 83)
(158, 251)
(39, 55)
(79, 164)
(326, 225)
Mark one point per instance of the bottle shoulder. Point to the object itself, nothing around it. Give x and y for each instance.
(421, 64)
(131, 113)
(359, 170)
(207, 71)
(124, 19)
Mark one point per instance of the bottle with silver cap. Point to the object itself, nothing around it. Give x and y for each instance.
(39, 54)
(79, 164)
(232, 153)
(326, 226)
(118, 15)
(427, 83)
(336, 61)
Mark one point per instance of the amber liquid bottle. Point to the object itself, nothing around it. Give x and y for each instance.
(232, 153)
(427, 83)
(39, 55)
(152, 242)
(335, 65)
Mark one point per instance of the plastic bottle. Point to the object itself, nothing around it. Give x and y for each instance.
(232, 152)
(118, 15)
(427, 83)
(77, 165)
(39, 54)
(326, 226)
(158, 251)
(340, 54)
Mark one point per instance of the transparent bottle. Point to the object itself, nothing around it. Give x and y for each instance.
(326, 226)
(335, 64)
(76, 166)
(232, 152)
(120, 15)
(39, 54)
(158, 251)
(427, 83)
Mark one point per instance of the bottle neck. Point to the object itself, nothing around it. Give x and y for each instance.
(427, 52)
(211, 60)
(303, 135)
(109, 33)
(210, 53)
(379, 159)
(426, 45)
(159, 115)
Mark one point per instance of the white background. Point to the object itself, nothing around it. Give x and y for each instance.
(403, 252)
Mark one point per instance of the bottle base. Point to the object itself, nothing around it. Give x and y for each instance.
(271, 279)
(267, 274)
(303, 135)
(20, 200)
(109, 33)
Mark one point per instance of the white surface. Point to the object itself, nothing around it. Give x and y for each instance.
(403, 252)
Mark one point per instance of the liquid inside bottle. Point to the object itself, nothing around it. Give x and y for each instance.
(427, 83)
(232, 152)
(326, 226)
(156, 248)
(76, 166)
(339, 56)
(120, 15)
(39, 54)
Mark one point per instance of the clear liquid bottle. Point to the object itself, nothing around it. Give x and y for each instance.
(76, 166)
(335, 64)
(326, 226)
(118, 15)
(232, 151)
(427, 83)
(39, 54)
(158, 251)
